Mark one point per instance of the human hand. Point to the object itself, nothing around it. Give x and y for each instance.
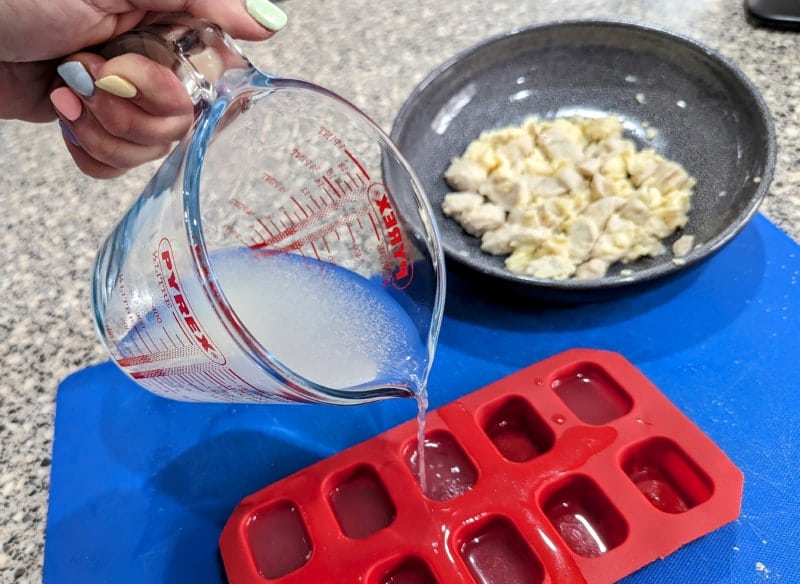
(143, 109)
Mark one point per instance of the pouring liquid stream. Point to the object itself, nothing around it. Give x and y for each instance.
(422, 408)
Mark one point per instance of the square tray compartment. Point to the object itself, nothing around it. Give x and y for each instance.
(575, 469)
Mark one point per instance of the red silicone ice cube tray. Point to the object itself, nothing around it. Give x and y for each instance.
(575, 469)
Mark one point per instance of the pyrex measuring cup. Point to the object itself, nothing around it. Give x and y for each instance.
(283, 252)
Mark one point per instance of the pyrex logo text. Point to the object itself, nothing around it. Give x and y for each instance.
(395, 255)
(180, 305)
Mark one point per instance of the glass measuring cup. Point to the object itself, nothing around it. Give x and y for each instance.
(283, 252)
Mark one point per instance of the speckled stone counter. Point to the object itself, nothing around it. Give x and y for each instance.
(374, 53)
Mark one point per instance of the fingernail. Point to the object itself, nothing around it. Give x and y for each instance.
(68, 133)
(116, 85)
(66, 103)
(266, 14)
(77, 77)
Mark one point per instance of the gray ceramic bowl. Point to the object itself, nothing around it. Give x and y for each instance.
(709, 117)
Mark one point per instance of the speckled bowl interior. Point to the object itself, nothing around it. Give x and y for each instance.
(707, 115)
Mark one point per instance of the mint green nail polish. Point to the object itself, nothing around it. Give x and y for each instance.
(266, 14)
(77, 77)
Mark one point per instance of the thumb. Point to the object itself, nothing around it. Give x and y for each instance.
(250, 20)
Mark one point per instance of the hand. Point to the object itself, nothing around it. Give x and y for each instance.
(107, 134)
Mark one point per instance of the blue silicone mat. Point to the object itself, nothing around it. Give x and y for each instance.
(141, 486)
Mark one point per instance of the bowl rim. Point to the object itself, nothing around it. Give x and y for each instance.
(696, 255)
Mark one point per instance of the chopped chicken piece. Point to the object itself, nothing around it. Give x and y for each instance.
(683, 245)
(475, 215)
(508, 237)
(566, 198)
(456, 204)
(465, 174)
(589, 167)
(557, 145)
(591, 270)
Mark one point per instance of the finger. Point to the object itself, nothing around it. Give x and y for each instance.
(83, 131)
(160, 113)
(139, 100)
(112, 150)
(89, 166)
(245, 19)
(83, 160)
(153, 88)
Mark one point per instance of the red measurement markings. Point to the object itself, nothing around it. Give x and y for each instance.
(266, 227)
(304, 160)
(151, 340)
(141, 349)
(331, 196)
(155, 357)
(258, 239)
(319, 211)
(375, 227)
(185, 334)
(274, 182)
(185, 375)
(216, 381)
(355, 180)
(357, 163)
(203, 378)
(344, 185)
(158, 386)
(316, 224)
(176, 341)
(132, 340)
(357, 252)
(246, 384)
(150, 373)
(170, 339)
(314, 249)
(338, 192)
(289, 221)
(241, 206)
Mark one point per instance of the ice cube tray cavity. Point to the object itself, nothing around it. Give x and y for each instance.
(575, 469)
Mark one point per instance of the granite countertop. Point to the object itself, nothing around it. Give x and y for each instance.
(373, 53)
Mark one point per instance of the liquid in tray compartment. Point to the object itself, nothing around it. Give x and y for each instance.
(575, 469)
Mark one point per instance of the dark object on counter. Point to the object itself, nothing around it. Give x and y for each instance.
(783, 14)
(708, 115)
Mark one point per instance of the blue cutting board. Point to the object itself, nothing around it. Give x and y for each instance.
(141, 486)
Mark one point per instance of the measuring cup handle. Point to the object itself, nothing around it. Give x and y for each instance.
(198, 51)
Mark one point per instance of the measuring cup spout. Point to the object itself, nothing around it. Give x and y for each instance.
(350, 397)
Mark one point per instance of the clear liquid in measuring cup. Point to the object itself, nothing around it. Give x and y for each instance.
(325, 323)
